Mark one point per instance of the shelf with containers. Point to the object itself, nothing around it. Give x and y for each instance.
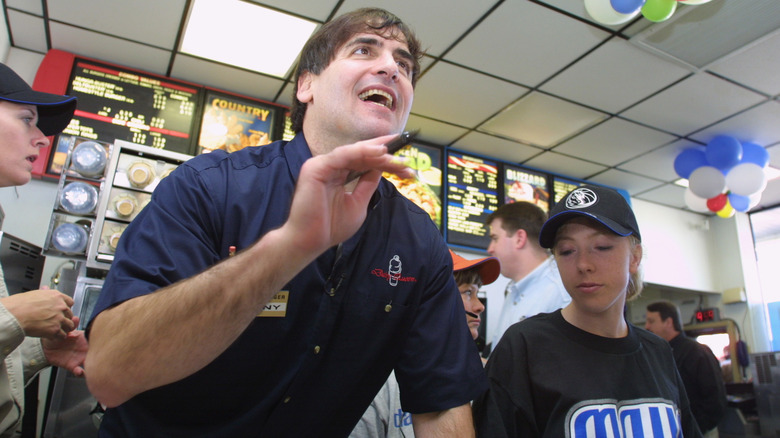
(78, 192)
(132, 174)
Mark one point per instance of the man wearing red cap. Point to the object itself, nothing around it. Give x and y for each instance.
(37, 328)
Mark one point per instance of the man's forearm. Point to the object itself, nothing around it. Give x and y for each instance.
(452, 423)
(162, 337)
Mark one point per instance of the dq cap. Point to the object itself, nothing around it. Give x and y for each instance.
(607, 206)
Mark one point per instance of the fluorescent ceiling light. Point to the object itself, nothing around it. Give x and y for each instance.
(246, 35)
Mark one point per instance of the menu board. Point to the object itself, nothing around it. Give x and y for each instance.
(472, 194)
(120, 104)
(232, 123)
(562, 186)
(425, 189)
(526, 185)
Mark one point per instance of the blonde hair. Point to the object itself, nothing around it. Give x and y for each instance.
(635, 281)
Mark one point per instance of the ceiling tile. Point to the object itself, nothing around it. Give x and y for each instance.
(226, 78)
(760, 125)
(614, 142)
(493, 146)
(563, 165)
(24, 62)
(624, 180)
(515, 43)
(28, 31)
(433, 131)
(774, 156)
(542, 120)
(436, 30)
(697, 101)
(669, 194)
(110, 49)
(476, 97)
(658, 164)
(31, 6)
(614, 77)
(319, 10)
(749, 66)
(125, 19)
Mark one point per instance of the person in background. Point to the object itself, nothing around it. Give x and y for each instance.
(698, 367)
(335, 281)
(385, 418)
(535, 286)
(37, 327)
(584, 371)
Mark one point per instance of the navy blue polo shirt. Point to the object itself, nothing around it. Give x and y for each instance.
(311, 363)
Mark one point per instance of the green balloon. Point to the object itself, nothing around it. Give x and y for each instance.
(659, 10)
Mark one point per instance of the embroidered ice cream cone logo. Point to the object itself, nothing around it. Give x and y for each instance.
(394, 270)
(581, 198)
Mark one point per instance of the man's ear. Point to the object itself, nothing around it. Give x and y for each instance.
(304, 92)
(521, 238)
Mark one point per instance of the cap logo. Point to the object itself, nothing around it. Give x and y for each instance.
(581, 198)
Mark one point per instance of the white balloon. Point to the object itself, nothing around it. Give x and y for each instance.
(755, 198)
(746, 179)
(603, 12)
(694, 2)
(695, 203)
(707, 182)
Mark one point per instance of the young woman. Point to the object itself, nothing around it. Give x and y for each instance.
(583, 371)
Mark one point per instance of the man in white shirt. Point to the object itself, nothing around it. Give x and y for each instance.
(535, 285)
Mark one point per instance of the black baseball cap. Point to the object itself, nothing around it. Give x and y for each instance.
(54, 110)
(605, 205)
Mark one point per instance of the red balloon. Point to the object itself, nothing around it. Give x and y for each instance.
(717, 203)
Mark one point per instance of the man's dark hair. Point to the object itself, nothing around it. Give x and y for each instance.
(667, 309)
(323, 45)
(520, 215)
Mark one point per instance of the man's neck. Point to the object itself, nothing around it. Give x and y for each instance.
(528, 264)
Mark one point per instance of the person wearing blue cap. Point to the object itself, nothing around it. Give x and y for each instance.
(37, 328)
(584, 371)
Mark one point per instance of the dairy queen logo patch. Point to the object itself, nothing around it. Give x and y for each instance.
(394, 272)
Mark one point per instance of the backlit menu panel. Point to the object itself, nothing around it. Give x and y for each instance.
(425, 189)
(526, 185)
(563, 186)
(472, 194)
(119, 104)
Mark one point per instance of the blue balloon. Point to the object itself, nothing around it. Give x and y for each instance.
(739, 202)
(689, 160)
(756, 154)
(626, 6)
(723, 152)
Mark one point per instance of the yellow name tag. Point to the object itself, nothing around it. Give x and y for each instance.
(277, 307)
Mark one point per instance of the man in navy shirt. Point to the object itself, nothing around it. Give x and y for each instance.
(336, 281)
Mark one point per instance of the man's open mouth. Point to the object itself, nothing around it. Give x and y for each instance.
(377, 96)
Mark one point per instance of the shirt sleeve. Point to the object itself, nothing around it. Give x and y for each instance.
(11, 332)
(178, 224)
(712, 389)
(439, 351)
(506, 409)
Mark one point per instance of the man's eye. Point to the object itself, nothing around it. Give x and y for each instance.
(405, 67)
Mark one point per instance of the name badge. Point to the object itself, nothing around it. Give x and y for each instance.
(277, 307)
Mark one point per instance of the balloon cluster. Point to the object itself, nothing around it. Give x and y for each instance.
(611, 12)
(724, 177)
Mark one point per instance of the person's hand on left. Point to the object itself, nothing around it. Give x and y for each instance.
(68, 352)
